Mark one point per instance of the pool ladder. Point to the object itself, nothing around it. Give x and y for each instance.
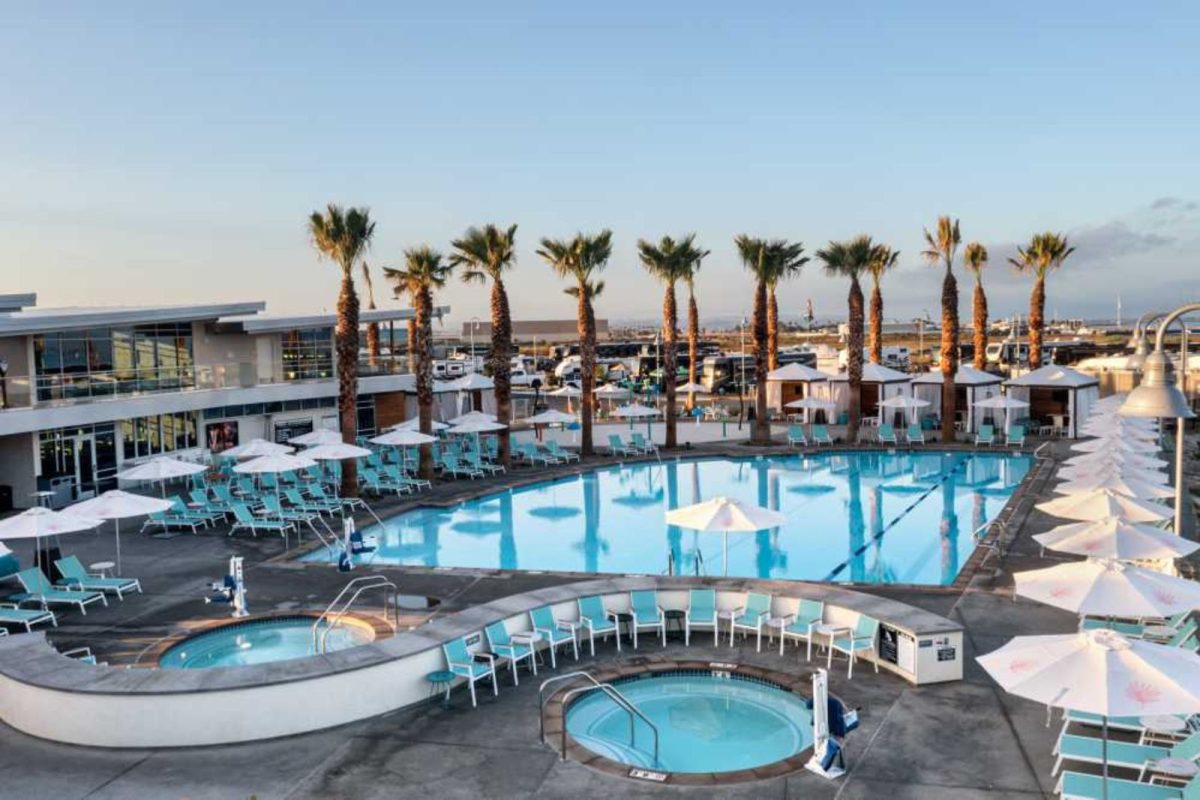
(608, 689)
(334, 612)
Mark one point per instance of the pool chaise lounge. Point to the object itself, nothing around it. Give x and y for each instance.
(820, 435)
(74, 575)
(12, 614)
(1081, 786)
(39, 588)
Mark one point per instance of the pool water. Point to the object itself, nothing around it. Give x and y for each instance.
(258, 642)
(866, 517)
(705, 723)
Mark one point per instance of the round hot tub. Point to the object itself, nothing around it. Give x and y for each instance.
(707, 721)
(262, 641)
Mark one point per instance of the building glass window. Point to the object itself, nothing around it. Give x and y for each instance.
(150, 436)
(366, 415)
(83, 457)
(307, 354)
(101, 362)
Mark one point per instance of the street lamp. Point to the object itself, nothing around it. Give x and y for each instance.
(1158, 396)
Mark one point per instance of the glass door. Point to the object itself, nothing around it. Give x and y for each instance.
(85, 467)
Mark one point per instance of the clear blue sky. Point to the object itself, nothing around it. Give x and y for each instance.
(158, 152)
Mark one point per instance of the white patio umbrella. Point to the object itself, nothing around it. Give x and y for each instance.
(1108, 588)
(404, 437)
(256, 448)
(319, 436)
(472, 416)
(1125, 459)
(282, 462)
(634, 411)
(726, 515)
(1113, 537)
(810, 404)
(39, 521)
(692, 388)
(905, 402)
(551, 417)
(1002, 401)
(1101, 503)
(1128, 486)
(161, 469)
(1096, 471)
(118, 505)
(477, 426)
(414, 424)
(612, 391)
(567, 391)
(1114, 444)
(338, 451)
(1098, 672)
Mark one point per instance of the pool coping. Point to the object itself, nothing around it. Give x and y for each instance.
(554, 709)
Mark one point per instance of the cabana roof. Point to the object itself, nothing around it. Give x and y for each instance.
(1054, 376)
(797, 372)
(876, 373)
(966, 376)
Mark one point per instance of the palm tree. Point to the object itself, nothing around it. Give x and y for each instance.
(850, 259)
(424, 270)
(342, 236)
(486, 253)
(941, 245)
(670, 261)
(372, 327)
(784, 269)
(693, 325)
(1045, 251)
(581, 259)
(883, 258)
(975, 258)
(770, 261)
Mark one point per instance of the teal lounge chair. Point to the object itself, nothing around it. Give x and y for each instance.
(299, 501)
(1080, 786)
(751, 617)
(201, 513)
(559, 452)
(1015, 436)
(914, 435)
(167, 520)
(986, 435)
(218, 507)
(643, 445)
(534, 455)
(513, 648)
(1188, 750)
(886, 434)
(376, 484)
(796, 436)
(472, 666)
(12, 614)
(616, 447)
(398, 475)
(346, 503)
(75, 576)
(595, 619)
(244, 518)
(860, 639)
(701, 613)
(820, 435)
(38, 588)
(647, 613)
(1090, 750)
(476, 461)
(289, 513)
(450, 465)
(556, 632)
(809, 614)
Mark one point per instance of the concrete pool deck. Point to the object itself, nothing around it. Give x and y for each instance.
(958, 740)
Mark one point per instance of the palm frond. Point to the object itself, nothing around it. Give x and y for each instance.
(943, 242)
(341, 235)
(484, 252)
(975, 257)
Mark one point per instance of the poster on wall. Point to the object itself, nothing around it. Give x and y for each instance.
(221, 436)
(286, 430)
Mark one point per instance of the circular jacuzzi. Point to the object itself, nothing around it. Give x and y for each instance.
(262, 641)
(708, 721)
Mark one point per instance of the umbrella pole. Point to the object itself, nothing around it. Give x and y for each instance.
(117, 528)
(725, 551)
(1104, 760)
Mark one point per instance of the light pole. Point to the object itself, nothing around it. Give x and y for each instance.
(1158, 396)
(742, 380)
(474, 324)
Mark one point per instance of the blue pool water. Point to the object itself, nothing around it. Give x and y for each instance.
(258, 642)
(870, 517)
(705, 723)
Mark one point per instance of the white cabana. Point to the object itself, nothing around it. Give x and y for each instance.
(793, 382)
(878, 383)
(451, 398)
(1056, 391)
(970, 385)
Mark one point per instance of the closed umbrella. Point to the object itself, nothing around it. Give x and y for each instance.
(1128, 486)
(1098, 672)
(1113, 537)
(118, 505)
(256, 448)
(34, 523)
(1002, 401)
(726, 515)
(1108, 588)
(320, 436)
(1101, 503)
(161, 469)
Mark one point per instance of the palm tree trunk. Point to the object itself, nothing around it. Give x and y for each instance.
(670, 324)
(502, 365)
(693, 337)
(346, 336)
(772, 330)
(876, 343)
(949, 352)
(1037, 320)
(854, 359)
(412, 346)
(980, 323)
(424, 350)
(586, 324)
(760, 433)
(373, 341)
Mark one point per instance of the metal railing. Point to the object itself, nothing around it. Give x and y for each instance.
(610, 691)
(354, 588)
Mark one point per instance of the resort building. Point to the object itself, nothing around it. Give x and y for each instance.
(85, 391)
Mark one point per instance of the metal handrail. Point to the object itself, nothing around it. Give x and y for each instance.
(359, 585)
(611, 691)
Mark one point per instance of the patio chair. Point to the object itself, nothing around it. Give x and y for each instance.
(556, 632)
(74, 575)
(820, 435)
(513, 648)
(206, 502)
(809, 614)
(914, 435)
(39, 589)
(12, 614)
(476, 461)
(616, 447)
(298, 501)
(531, 454)
(348, 503)
(647, 613)
(886, 434)
(1082, 786)
(559, 452)
(450, 465)
(796, 436)
(860, 639)
(643, 445)
(246, 519)
(397, 475)
(169, 519)
(201, 513)
(1072, 747)
(1015, 436)
(751, 617)
(472, 666)
(379, 485)
(701, 613)
(595, 619)
(1188, 750)
(986, 435)
(289, 513)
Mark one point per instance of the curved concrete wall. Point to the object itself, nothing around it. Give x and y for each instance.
(54, 697)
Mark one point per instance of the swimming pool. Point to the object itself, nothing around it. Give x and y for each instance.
(259, 642)
(705, 723)
(866, 517)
